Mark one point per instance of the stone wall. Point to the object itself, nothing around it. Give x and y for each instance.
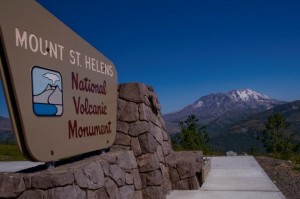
(112, 175)
(141, 163)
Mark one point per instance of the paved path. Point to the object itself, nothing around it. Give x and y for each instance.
(17, 165)
(233, 177)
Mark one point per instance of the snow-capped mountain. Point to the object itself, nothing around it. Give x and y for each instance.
(223, 107)
(248, 95)
(237, 98)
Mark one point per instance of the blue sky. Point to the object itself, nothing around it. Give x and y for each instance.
(187, 49)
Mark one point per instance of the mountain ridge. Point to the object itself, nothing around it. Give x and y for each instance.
(235, 118)
(241, 136)
(222, 105)
(6, 134)
(5, 123)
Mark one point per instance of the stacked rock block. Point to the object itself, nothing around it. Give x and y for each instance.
(113, 175)
(185, 170)
(141, 129)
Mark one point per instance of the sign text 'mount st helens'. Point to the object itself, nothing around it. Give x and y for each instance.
(61, 92)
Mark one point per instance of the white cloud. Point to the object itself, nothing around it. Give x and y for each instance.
(52, 77)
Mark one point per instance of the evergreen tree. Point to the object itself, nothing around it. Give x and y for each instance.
(273, 137)
(192, 137)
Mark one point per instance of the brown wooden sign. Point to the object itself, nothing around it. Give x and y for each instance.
(61, 92)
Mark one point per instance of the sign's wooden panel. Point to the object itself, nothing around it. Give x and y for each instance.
(62, 92)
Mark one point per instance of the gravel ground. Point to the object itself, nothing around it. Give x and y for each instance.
(283, 174)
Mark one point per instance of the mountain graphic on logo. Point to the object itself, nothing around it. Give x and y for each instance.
(47, 97)
(51, 95)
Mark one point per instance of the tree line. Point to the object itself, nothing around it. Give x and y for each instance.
(275, 137)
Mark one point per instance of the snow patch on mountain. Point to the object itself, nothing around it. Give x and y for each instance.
(198, 104)
(247, 95)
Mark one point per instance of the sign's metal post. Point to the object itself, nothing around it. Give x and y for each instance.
(50, 165)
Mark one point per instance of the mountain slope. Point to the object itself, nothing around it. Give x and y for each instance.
(291, 112)
(6, 134)
(241, 136)
(220, 109)
(4, 124)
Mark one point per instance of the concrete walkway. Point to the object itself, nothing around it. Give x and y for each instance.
(17, 166)
(233, 177)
